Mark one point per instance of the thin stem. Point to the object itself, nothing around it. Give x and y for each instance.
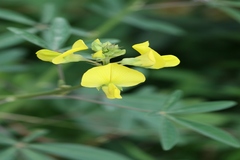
(93, 101)
(62, 90)
(61, 75)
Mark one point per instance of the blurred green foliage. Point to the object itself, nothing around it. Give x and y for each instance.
(84, 125)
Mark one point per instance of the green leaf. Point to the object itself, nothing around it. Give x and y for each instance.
(6, 140)
(9, 39)
(209, 131)
(34, 135)
(29, 37)
(80, 32)
(32, 155)
(8, 154)
(48, 12)
(11, 55)
(172, 100)
(168, 133)
(225, 3)
(156, 25)
(204, 107)
(59, 32)
(13, 68)
(234, 13)
(136, 152)
(15, 17)
(76, 152)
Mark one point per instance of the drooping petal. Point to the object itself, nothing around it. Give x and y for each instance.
(112, 91)
(119, 75)
(124, 77)
(142, 48)
(47, 55)
(170, 60)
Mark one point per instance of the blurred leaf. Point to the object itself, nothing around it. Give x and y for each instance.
(80, 32)
(209, 118)
(11, 55)
(34, 135)
(77, 152)
(209, 131)
(204, 107)
(13, 68)
(227, 3)
(136, 152)
(168, 133)
(15, 17)
(29, 37)
(48, 12)
(59, 32)
(172, 100)
(32, 155)
(150, 24)
(234, 13)
(9, 39)
(8, 154)
(6, 140)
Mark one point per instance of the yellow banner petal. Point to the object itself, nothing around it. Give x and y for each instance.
(80, 45)
(142, 48)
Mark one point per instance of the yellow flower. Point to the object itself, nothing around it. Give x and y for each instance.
(111, 78)
(68, 56)
(150, 58)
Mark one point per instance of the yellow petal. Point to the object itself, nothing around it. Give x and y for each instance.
(111, 91)
(47, 55)
(123, 76)
(170, 60)
(80, 45)
(98, 54)
(159, 61)
(77, 46)
(142, 48)
(119, 75)
(144, 60)
(96, 76)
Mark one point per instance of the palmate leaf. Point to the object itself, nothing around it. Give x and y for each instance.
(168, 133)
(209, 131)
(29, 37)
(8, 154)
(77, 152)
(15, 17)
(204, 107)
(59, 32)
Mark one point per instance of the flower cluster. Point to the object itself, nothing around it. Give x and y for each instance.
(109, 76)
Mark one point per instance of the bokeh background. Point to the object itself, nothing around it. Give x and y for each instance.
(204, 34)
